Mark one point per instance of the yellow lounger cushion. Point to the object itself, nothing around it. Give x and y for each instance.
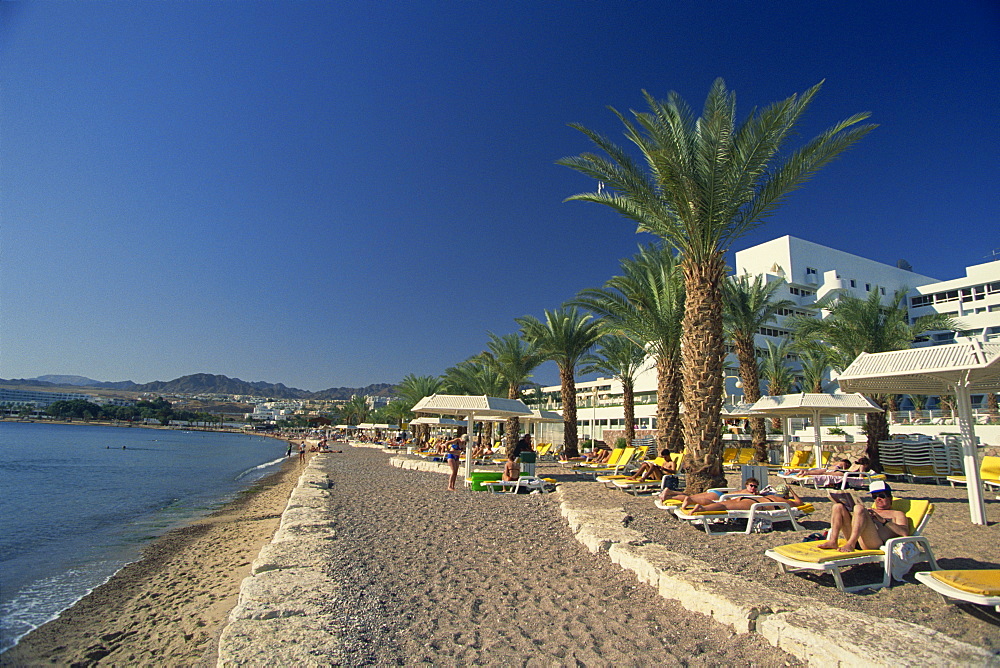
(812, 553)
(983, 582)
(807, 508)
(708, 512)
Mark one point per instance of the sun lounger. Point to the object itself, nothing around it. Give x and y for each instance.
(613, 458)
(529, 483)
(764, 513)
(808, 556)
(981, 586)
(610, 468)
(989, 472)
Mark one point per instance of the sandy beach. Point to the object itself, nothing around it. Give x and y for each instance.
(169, 607)
(430, 577)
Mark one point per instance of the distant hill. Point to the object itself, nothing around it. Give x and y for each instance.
(206, 383)
(67, 380)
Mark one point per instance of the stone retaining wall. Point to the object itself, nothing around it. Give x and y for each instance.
(281, 619)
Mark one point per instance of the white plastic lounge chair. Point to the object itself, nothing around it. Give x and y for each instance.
(981, 586)
(529, 483)
(808, 556)
(764, 513)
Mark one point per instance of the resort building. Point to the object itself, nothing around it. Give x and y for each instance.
(810, 271)
(39, 398)
(974, 300)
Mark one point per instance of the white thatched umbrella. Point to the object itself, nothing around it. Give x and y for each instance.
(814, 405)
(470, 406)
(957, 368)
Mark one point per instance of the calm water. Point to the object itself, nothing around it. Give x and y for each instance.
(76, 507)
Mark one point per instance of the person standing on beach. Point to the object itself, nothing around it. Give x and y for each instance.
(302, 451)
(289, 453)
(455, 447)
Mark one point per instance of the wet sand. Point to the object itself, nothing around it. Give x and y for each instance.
(169, 607)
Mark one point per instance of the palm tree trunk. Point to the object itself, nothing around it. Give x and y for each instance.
(675, 432)
(513, 424)
(877, 429)
(570, 441)
(746, 353)
(669, 435)
(628, 401)
(702, 350)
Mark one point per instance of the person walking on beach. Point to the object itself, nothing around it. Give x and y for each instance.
(289, 453)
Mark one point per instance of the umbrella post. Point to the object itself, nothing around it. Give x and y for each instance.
(817, 441)
(786, 438)
(468, 446)
(977, 508)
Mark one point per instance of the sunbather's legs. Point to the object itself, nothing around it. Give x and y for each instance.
(856, 526)
(453, 477)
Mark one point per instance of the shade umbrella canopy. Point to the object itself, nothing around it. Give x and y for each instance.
(962, 369)
(439, 422)
(739, 411)
(814, 405)
(470, 406)
(536, 416)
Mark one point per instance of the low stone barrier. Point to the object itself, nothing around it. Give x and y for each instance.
(281, 617)
(805, 628)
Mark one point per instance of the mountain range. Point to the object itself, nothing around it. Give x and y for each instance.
(206, 383)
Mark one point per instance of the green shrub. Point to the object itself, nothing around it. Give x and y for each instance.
(836, 431)
(621, 442)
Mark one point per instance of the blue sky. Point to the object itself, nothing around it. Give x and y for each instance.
(335, 194)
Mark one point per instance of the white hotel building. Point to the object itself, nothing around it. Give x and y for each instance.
(810, 271)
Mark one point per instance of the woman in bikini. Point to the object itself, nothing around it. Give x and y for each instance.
(455, 448)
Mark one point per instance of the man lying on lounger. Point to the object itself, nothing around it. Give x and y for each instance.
(753, 487)
(867, 527)
(783, 494)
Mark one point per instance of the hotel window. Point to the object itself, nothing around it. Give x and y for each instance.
(868, 287)
(883, 291)
(810, 271)
(854, 283)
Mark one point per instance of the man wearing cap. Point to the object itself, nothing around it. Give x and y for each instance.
(867, 527)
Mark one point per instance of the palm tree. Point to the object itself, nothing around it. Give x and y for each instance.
(646, 304)
(856, 326)
(749, 304)
(565, 337)
(356, 410)
(397, 412)
(815, 360)
(513, 359)
(708, 181)
(414, 388)
(622, 359)
(776, 372)
(474, 377)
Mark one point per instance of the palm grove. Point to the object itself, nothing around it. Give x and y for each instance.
(699, 184)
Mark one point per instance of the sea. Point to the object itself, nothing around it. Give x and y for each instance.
(79, 502)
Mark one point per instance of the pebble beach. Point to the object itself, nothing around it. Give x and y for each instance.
(428, 577)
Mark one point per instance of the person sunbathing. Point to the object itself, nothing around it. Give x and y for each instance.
(651, 470)
(597, 456)
(838, 466)
(511, 468)
(784, 494)
(868, 528)
(752, 487)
